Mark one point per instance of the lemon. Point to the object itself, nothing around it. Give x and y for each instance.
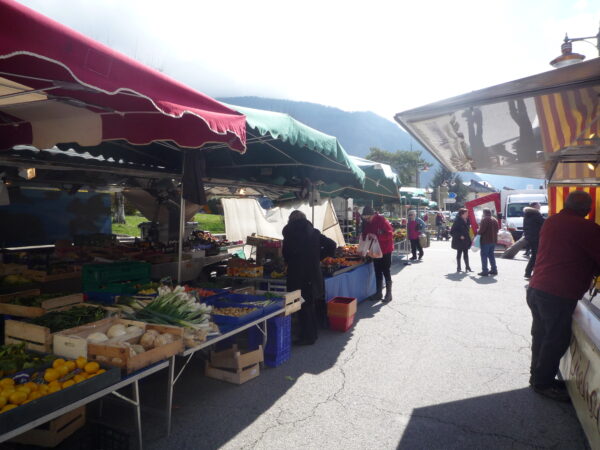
(58, 362)
(6, 392)
(51, 375)
(43, 388)
(78, 378)
(71, 365)
(7, 382)
(63, 370)
(35, 395)
(100, 371)
(92, 367)
(3, 401)
(54, 388)
(7, 408)
(81, 362)
(17, 398)
(68, 383)
(31, 385)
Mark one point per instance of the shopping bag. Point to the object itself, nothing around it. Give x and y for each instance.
(369, 246)
(476, 243)
(505, 238)
(423, 240)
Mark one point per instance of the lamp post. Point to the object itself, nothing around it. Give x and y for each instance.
(567, 56)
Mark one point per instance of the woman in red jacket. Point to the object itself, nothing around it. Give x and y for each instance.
(378, 225)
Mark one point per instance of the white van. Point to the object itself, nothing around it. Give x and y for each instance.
(513, 202)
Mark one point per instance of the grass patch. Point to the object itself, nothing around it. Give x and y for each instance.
(208, 222)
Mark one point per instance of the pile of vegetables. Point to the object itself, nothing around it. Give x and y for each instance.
(35, 300)
(73, 317)
(172, 306)
(14, 358)
(233, 311)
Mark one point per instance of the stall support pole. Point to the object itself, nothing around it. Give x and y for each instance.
(181, 233)
(170, 392)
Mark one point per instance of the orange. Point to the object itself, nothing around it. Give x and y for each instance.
(92, 367)
(43, 388)
(7, 382)
(78, 378)
(54, 388)
(35, 395)
(68, 383)
(6, 392)
(58, 362)
(31, 385)
(71, 365)
(51, 375)
(23, 388)
(81, 362)
(3, 401)
(100, 371)
(7, 408)
(63, 370)
(17, 398)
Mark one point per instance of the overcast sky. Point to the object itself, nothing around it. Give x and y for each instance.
(375, 55)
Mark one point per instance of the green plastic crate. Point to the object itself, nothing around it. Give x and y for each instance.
(119, 278)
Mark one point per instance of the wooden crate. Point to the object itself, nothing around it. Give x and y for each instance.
(36, 337)
(72, 343)
(232, 358)
(55, 431)
(292, 300)
(13, 295)
(43, 277)
(36, 311)
(235, 377)
(12, 269)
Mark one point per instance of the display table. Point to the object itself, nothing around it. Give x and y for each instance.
(580, 368)
(190, 269)
(358, 283)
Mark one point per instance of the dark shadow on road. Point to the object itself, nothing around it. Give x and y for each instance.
(483, 280)
(456, 276)
(513, 419)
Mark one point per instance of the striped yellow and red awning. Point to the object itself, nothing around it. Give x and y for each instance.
(558, 193)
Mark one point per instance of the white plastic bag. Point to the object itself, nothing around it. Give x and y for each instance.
(505, 238)
(476, 243)
(369, 246)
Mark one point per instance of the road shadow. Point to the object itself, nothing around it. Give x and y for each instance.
(456, 276)
(494, 421)
(483, 280)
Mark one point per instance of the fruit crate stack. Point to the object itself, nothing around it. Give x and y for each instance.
(103, 283)
(279, 340)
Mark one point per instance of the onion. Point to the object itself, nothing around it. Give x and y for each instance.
(97, 337)
(147, 340)
(116, 330)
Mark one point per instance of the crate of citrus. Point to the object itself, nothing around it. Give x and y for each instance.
(26, 397)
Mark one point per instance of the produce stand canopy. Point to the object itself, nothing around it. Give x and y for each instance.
(59, 86)
(284, 152)
(520, 128)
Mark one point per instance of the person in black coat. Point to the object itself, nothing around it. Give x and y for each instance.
(532, 224)
(461, 239)
(303, 249)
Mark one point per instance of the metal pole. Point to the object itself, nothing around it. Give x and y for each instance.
(181, 233)
(170, 393)
(312, 201)
(138, 415)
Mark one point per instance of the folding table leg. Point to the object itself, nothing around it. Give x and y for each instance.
(171, 381)
(138, 415)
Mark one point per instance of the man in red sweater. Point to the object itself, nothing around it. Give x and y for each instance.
(567, 260)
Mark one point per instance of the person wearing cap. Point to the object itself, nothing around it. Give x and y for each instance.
(303, 249)
(568, 258)
(374, 223)
(414, 227)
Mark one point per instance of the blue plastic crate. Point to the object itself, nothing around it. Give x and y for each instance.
(275, 360)
(236, 321)
(279, 335)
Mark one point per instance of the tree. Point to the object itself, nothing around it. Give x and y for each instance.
(453, 182)
(404, 162)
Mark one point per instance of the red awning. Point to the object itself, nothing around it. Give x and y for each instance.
(59, 86)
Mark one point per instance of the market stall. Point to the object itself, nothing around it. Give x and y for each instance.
(544, 126)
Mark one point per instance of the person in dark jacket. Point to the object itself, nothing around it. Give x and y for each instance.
(461, 239)
(532, 224)
(303, 249)
(488, 230)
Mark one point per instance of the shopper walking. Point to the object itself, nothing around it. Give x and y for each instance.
(414, 226)
(532, 224)
(440, 224)
(303, 249)
(461, 239)
(568, 259)
(374, 223)
(488, 231)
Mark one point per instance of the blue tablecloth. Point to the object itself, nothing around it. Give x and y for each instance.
(358, 283)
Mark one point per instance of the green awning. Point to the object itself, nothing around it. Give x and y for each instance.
(284, 152)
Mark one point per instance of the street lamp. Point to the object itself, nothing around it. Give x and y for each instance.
(567, 57)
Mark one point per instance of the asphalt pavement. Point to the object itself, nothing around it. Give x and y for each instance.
(445, 365)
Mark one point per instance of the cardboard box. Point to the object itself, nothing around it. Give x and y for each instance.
(54, 432)
(235, 377)
(341, 307)
(234, 359)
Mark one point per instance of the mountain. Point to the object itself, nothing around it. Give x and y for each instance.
(358, 131)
